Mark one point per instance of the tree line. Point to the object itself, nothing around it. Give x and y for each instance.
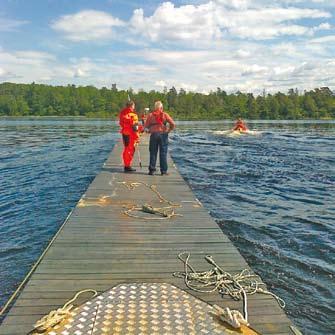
(89, 101)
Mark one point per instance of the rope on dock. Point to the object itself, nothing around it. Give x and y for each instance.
(236, 286)
(231, 316)
(295, 330)
(57, 316)
(162, 213)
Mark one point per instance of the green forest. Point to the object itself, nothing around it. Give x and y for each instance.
(89, 101)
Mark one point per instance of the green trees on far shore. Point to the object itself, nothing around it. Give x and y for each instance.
(43, 100)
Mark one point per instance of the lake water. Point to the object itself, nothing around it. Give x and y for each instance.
(272, 193)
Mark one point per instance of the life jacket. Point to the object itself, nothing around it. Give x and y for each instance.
(240, 125)
(128, 121)
(159, 117)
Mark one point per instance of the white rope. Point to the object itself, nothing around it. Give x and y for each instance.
(216, 279)
(295, 330)
(58, 315)
(231, 316)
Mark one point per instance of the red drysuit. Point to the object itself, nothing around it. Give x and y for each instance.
(240, 126)
(129, 128)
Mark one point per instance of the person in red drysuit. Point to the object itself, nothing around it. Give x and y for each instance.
(128, 120)
(240, 125)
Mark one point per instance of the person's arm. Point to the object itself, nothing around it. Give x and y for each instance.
(172, 124)
(121, 120)
(147, 123)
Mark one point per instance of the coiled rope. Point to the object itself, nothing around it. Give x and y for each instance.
(237, 286)
(162, 213)
(57, 316)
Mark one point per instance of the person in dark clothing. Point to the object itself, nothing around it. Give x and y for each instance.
(158, 124)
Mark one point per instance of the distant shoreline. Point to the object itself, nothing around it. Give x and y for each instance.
(85, 118)
(37, 100)
(222, 121)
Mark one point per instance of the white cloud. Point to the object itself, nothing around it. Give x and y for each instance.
(3, 72)
(236, 4)
(155, 68)
(196, 47)
(201, 24)
(211, 21)
(187, 86)
(254, 69)
(29, 66)
(170, 57)
(87, 25)
(160, 83)
(7, 25)
(79, 73)
(268, 22)
(323, 26)
(27, 57)
(328, 3)
(275, 68)
(177, 23)
(242, 53)
(286, 49)
(324, 39)
(25, 66)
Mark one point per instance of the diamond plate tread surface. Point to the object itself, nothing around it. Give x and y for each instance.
(142, 308)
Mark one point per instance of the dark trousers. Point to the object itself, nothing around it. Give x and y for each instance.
(158, 141)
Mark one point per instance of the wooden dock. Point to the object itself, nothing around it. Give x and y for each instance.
(99, 247)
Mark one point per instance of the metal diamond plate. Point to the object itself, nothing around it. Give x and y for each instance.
(146, 308)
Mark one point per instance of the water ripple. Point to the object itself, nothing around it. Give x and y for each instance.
(274, 196)
(43, 173)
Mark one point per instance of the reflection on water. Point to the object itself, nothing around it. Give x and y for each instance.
(273, 194)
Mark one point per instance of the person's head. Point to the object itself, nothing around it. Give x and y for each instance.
(131, 104)
(158, 105)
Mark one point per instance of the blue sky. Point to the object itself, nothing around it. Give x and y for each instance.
(246, 45)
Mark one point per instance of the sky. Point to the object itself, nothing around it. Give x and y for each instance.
(245, 45)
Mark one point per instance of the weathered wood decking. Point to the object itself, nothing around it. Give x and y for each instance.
(100, 247)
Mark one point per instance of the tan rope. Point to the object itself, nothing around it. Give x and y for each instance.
(162, 213)
(295, 330)
(56, 316)
(216, 279)
(231, 316)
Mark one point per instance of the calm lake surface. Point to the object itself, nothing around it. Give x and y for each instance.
(272, 193)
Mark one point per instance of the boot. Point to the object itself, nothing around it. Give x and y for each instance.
(129, 169)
